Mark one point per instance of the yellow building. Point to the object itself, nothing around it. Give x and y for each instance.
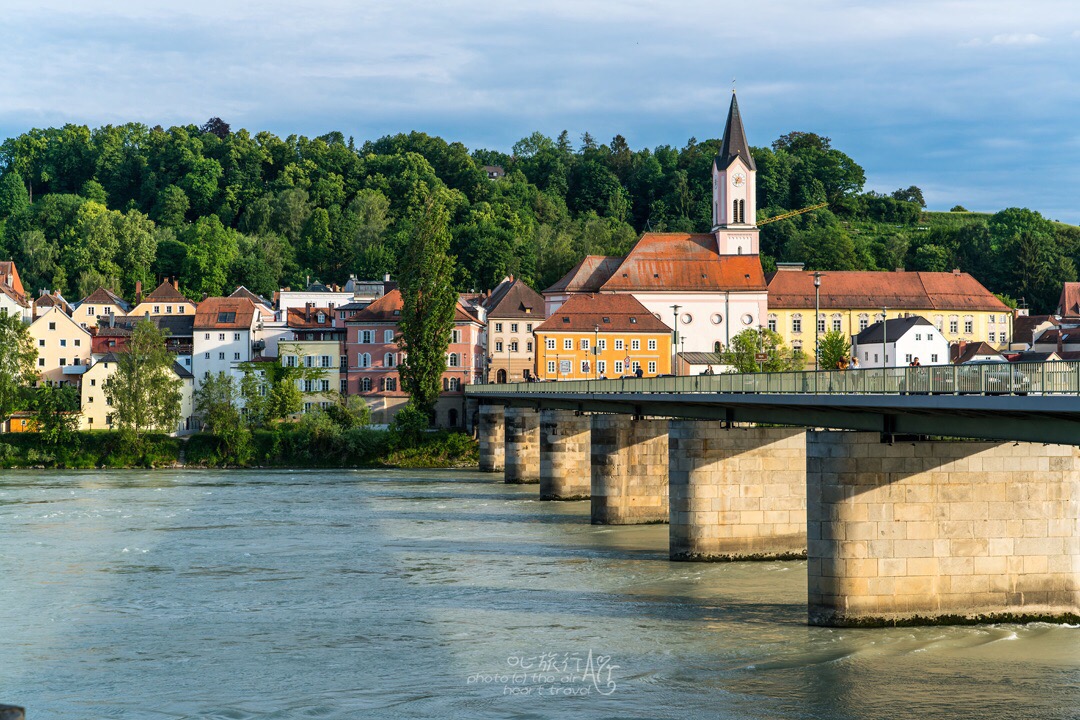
(98, 410)
(850, 301)
(165, 300)
(602, 336)
(63, 347)
(101, 302)
(322, 358)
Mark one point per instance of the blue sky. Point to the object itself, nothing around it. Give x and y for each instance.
(973, 101)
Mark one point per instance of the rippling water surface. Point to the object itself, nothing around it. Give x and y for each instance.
(445, 595)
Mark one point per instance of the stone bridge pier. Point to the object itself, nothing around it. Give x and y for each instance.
(941, 532)
(565, 455)
(522, 445)
(629, 470)
(492, 436)
(736, 494)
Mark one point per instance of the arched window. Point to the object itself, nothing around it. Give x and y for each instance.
(796, 323)
(453, 360)
(391, 384)
(500, 376)
(455, 384)
(364, 360)
(388, 360)
(772, 321)
(365, 385)
(388, 336)
(445, 384)
(716, 346)
(734, 211)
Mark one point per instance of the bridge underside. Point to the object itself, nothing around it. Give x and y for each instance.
(1047, 419)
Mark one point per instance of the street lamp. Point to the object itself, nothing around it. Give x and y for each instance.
(675, 344)
(817, 318)
(884, 348)
(596, 351)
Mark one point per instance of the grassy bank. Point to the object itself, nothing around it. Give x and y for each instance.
(284, 446)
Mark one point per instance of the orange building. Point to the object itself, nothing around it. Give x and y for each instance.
(602, 336)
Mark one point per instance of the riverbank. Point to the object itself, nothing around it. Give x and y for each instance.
(282, 447)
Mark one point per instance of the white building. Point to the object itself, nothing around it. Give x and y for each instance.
(13, 300)
(224, 336)
(899, 342)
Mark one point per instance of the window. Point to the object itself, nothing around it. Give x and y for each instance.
(206, 356)
(309, 361)
(388, 360)
(93, 383)
(551, 367)
(821, 323)
(221, 337)
(344, 360)
(168, 309)
(236, 337)
(181, 309)
(226, 317)
(954, 326)
(584, 367)
(63, 342)
(918, 336)
(907, 358)
(772, 323)
(320, 318)
(365, 385)
(388, 336)
(875, 357)
(796, 323)
(836, 323)
(584, 344)
(514, 346)
(636, 366)
(635, 344)
(157, 309)
(652, 367)
(601, 344)
(63, 362)
(221, 356)
(498, 346)
(307, 386)
(601, 367)
(993, 336)
(89, 311)
(453, 360)
(549, 343)
(290, 361)
(937, 322)
(528, 327)
(41, 342)
(41, 362)
(618, 367)
(498, 327)
(344, 387)
(325, 385)
(933, 358)
(366, 337)
(391, 384)
(528, 346)
(455, 336)
(90, 399)
(969, 326)
(619, 345)
(78, 342)
(513, 327)
(236, 356)
(652, 344)
(207, 336)
(568, 344)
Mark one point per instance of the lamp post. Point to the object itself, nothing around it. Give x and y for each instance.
(817, 318)
(675, 344)
(596, 351)
(884, 348)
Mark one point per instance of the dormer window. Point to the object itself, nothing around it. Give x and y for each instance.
(566, 320)
(633, 321)
(321, 318)
(226, 317)
(607, 320)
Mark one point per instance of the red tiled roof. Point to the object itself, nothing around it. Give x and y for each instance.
(239, 313)
(166, 292)
(1069, 302)
(843, 289)
(388, 309)
(104, 296)
(684, 261)
(1024, 326)
(514, 299)
(960, 353)
(588, 275)
(299, 318)
(9, 277)
(609, 312)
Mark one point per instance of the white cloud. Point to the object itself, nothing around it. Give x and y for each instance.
(1018, 39)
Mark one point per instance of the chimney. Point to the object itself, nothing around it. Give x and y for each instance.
(386, 277)
(956, 271)
(1061, 341)
(176, 284)
(112, 320)
(307, 311)
(138, 291)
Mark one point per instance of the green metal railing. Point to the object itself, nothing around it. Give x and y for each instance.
(1049, 378)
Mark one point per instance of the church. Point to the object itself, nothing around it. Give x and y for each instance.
(709, 286)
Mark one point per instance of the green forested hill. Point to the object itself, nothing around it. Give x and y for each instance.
(114, 205)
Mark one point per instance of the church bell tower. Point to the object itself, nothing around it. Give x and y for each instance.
(735, 190)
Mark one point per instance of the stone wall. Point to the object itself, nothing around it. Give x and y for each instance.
(941, 531)
(565, 447)
(522, 445)
(737, 494)
(629, 470)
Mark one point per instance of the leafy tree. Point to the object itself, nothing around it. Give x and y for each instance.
(17, 358)
(217, 402)
(912, 195)
(271, 391)
(833, 346)
(216, 126)
(14, 197)
(429, 299)
(958, 209)
(144, 390)
(56, 414)
(742, 352)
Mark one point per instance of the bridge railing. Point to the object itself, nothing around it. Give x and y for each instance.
(1058, 378)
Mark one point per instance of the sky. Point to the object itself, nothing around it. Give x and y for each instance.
(972, 101)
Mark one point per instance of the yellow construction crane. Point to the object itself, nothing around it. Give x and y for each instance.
(793, 213)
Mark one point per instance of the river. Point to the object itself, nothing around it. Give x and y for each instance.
(442, 594)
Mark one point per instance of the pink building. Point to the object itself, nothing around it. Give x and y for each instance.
(373, 357)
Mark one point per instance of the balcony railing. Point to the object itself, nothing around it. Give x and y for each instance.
(1049, 378)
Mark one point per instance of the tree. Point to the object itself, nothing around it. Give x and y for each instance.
(429, 300)
(271, 391)
(216, 126)
(742, 352)
(217, 402)
(56, 414)
(832, 347)
(144, 390)
(17, 358)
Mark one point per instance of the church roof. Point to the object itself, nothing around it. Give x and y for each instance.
(734, 144)
(588, 275)
(684, 261)
(853, 289)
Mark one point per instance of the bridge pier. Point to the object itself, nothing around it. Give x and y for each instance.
(941, 532)
(629, 470)
(522, 446)
(736, 494)
(492, 436)
(565, 446)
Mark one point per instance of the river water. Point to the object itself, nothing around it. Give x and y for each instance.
(437, 594)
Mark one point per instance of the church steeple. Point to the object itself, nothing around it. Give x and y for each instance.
(734, 144)
(735, 189)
